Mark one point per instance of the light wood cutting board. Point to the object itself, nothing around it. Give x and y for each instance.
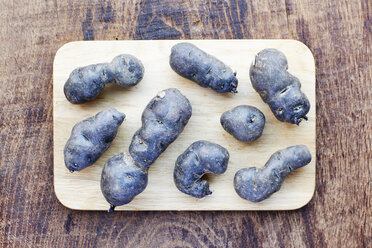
(81, 190)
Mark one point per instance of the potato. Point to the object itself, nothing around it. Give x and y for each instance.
(90, 138)
(193, 63)
(163, 119)
(245, 123)
(85, 83)
(122, 179)
(258, 184)
(277, 87)
(200, 157)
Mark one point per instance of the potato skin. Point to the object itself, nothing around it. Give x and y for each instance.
(85, 83)
(90, 138)
(244, 122)
(163, 119)
(127, 70)
(258, 184)
(122, 179)
(277, 87)
(206, 70)
(199, 158)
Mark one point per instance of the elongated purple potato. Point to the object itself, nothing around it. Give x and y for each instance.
(85, 83)
(206, 70)
(258, 184)
(163, 120)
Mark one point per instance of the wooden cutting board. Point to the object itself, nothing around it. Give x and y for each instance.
(81, 190)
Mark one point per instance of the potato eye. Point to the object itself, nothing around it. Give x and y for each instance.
(252, 119)
(297, 108)
(263, 94)
(284, 90)
(162, 145)
(90, 157)
(279, 110)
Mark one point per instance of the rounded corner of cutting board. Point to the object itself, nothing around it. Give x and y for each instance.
(305, 48)
(61, 198)
(300, 44)
(66, 46)
(304, 202)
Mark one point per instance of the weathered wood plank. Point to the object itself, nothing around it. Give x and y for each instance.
(339, 33)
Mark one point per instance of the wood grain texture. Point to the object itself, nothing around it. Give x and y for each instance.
(339, 33)
(81, 190)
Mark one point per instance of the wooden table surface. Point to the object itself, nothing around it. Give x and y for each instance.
(339, 33)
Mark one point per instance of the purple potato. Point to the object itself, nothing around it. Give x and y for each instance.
(85, 83)
(204, 69)
(201, 157)
(277, 87)
(90, 138)
(245, 123)
(163, 120)
(258, 184)
(122, 179)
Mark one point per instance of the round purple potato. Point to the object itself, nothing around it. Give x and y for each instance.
(258, 184)
(163, 119)
(245, 123)
(200, 158)
(206, 70)
(90, 138)
(277, 87)
(121, 180)
(85, 83)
